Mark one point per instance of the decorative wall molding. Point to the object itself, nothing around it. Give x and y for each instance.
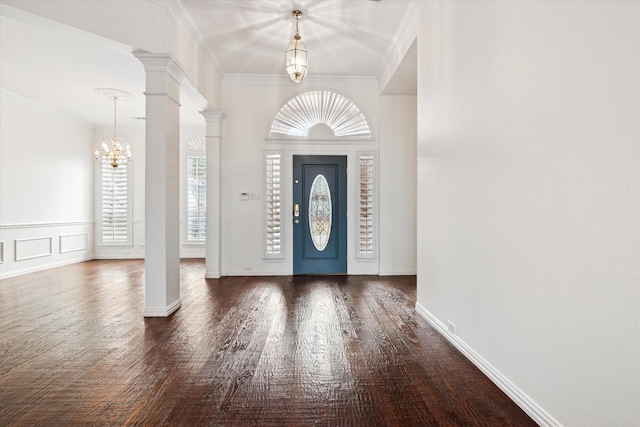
(73, 242)
(408, 31)
(33, 247)
(537, 413)
(46, 224)
(309, 81)
(294, 140)
(188, 26)
(1, 252)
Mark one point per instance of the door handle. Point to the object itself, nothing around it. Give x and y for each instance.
(296, 210)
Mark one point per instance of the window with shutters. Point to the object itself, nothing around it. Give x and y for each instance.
(115, 204)
(196, 198)
(366, 225)
(273, 204)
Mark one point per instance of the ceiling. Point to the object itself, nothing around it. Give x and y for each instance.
(342, 37)
(60, 67)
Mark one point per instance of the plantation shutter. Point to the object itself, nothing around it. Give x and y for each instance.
(365, 211)
(115, 204)
(273, 173)
(197, 198)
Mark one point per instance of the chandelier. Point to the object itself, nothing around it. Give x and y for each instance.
(116, 153)
(296, 55)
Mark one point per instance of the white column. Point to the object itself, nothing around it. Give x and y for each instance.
(213, 120)
(162, 153)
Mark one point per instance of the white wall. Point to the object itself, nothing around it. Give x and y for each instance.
(157, 27)
(397, 185)
(528, 194)
(46, 187)
(250, 104)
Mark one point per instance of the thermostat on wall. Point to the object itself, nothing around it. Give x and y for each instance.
(249, 196)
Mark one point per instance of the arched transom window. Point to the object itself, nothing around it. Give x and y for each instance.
(320, 113)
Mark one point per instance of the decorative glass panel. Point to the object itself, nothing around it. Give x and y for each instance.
(320, 212)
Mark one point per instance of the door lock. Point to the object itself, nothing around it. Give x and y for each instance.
(296, 210)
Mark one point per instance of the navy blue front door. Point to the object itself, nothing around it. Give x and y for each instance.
(319, 215)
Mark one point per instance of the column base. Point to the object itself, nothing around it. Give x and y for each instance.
(162, 311)
(212, 275)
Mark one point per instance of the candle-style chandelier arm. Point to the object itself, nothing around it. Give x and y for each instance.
(117, 153)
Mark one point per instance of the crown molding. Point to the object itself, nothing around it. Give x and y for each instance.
(309, 81)
(184, 19)
(407, 32)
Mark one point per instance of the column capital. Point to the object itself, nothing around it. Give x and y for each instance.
(213, 116)
(162, 62)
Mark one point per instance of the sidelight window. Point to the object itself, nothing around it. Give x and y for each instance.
(273, 204)
(366, 195)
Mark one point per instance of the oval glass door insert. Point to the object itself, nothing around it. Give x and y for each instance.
(320, 211)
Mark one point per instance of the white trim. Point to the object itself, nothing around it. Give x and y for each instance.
(39, 255)
(283, 80)
(297, 140)
(86, 242)
(185, 21)
(392, 272)
(163, 311)
(118, 256)
(212, 275)
(194, 244)
(44, 267)
(402, 40)
(525, 402)
(1, 252)
(258, 272)
(45, 224)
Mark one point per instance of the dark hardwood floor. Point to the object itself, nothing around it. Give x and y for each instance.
(265, 351)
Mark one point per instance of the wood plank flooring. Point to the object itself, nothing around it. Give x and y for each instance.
(242, 351)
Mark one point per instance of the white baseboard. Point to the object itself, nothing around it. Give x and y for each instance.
(211, 274)
(162, 311)
(528, 405)
(43, 267)
(257, 273)
(391, 272)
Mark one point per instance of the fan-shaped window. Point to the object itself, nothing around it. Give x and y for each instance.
(305, 111)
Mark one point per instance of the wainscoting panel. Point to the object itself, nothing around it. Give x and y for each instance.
(30, 247)
(34, 247)
(73, 242)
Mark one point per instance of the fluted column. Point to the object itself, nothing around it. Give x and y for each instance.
(213, 120)
(162, 192)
